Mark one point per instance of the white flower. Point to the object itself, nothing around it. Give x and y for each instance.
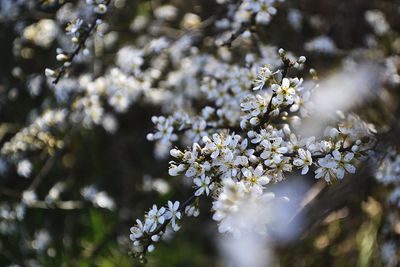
(326, 169)
(279, 168)
(42, 240)
(215, 145)
(203, 184)
(129, 59)
(154, 216)
(254, 105)
(164, 130)
(355, 128)
(343, 163)
(24, 168)
(197, 130)
(196, 169)
(322, 44)
(302, 104)
(29, 197)
(389, 169)
(173, 213)
(175, 170)
(74, 27)
(377, 21)
(137, 231)
(284, 93)
(266, 12)
(255, 177)
(265, 136)
(274, 151)
(262, 8)
(263, 76)
(239, 207)
(303, 161)
(228, 165)
(192, 210)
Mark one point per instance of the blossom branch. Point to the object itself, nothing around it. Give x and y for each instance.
(68, 58)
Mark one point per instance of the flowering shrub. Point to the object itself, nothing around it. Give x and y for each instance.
(99, 95)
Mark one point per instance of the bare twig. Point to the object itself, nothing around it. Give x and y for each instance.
(243, 27)
(59, 204)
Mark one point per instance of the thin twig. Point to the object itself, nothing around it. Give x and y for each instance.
(62, 70)
(51, 160)
(245, 25)
(59, 204)
(9, 192)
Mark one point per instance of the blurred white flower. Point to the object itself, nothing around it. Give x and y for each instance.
(24, 168)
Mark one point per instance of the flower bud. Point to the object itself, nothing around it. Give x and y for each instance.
(62, 57)
(176, 153)
(314, 74)
(150, 137)
(150, 248)
(254, 121)
(301, 60)
(101, 9)
(50, 73)
(155, 238)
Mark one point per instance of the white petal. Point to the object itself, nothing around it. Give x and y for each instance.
(286, 82)
(336, 154)
(305, 170)
(302, 153)
(263, 180)
(319, 173)
(298, 162)
(350, 168)
(348, 157)
(259, 170)
(199, 191)
(340, 173)
(282, 150)
(246, 173)
(215, 154)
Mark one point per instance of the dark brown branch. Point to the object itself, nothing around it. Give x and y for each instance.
(85, 36)
(329, 199)
(243, 27)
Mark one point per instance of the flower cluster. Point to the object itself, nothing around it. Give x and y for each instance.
(241, 209)
(236, 161)
(97, 198)
(156, 222)
(9, 215)
(231, 109)
(37, 135)
(259, 10)
(79, 32)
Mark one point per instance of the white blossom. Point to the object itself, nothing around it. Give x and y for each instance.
(304, 161)
(203, 184)
(173, 214)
